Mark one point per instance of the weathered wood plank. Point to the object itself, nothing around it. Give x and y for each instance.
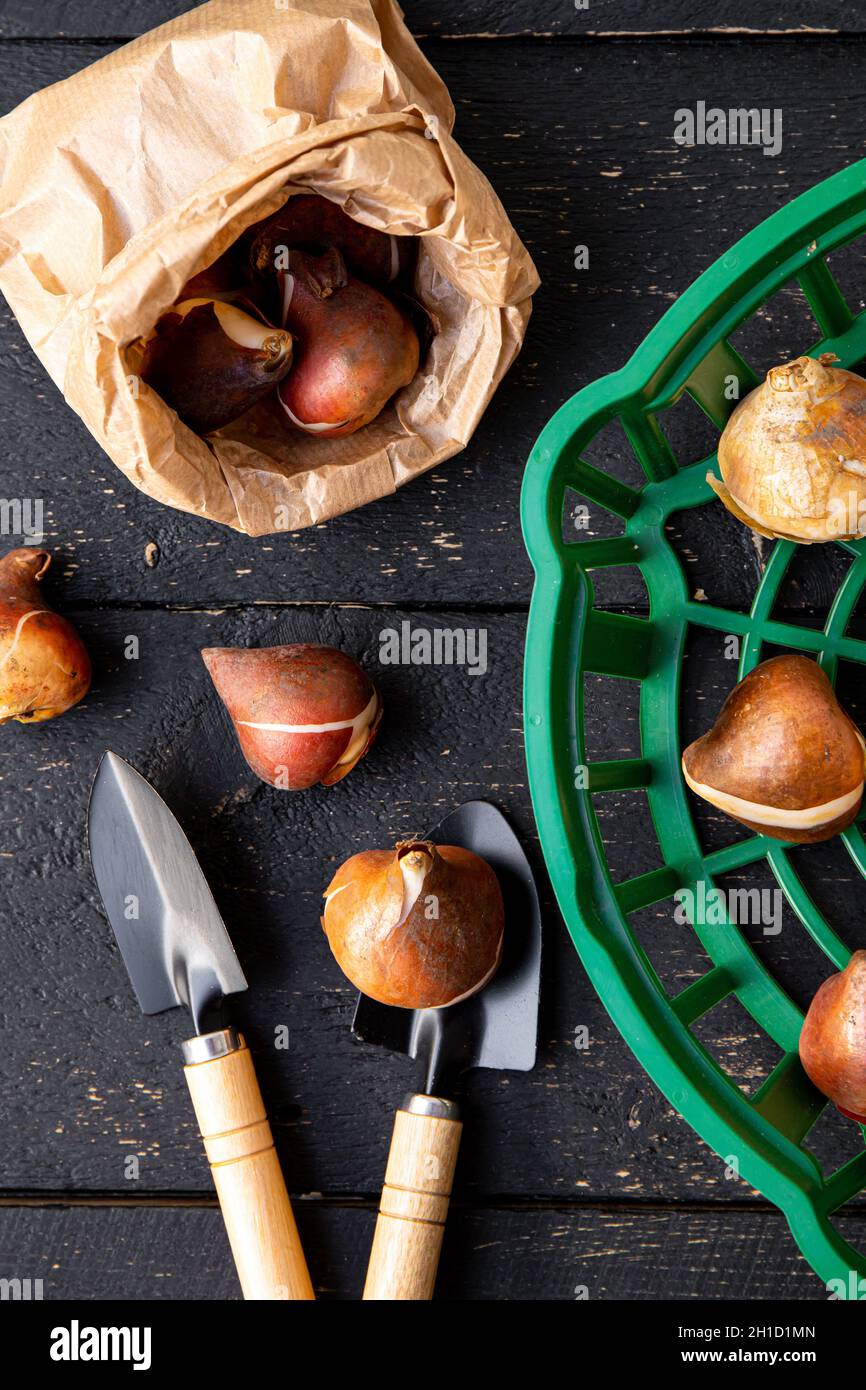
(88, 1083)
(652, 214)
(112, 1086)
(176, 1253)
(461, 18)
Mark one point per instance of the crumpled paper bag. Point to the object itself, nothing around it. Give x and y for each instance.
(120, 183)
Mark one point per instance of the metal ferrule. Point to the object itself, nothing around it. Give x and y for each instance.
(209, 1046)
(436, 1106)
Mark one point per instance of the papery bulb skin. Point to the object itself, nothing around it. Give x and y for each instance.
(311, 223)
(354, 349)
(783, 757)
(833, 1039)
(44, 666)
(211, 361)
(418, 927)
(793, 454)
(302, 713)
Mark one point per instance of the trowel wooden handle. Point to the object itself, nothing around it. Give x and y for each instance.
(418, 1181)
(246, 1171)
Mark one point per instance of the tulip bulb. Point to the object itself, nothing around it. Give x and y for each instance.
(420, 926)
(303, 714)
(225, 279)
(355, 349)
(833, 1039)
(210, 361)
(783, 757)
(793, 454)
(308, 222)
(44, 666)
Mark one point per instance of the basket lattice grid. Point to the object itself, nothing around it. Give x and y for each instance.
(690, 352)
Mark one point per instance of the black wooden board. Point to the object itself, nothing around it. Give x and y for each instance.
(653, 215)
(460, 18)
(579, 1175)
(108, 1081)
(581, 1254)
(115, 1088)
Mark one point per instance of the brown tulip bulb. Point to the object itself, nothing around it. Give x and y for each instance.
(225, 279)
(833, 1039)
(44, 666)
(210, 361)
(303, 714)
(309, 222)
(419, 926)
(783, 757)
(354, 348)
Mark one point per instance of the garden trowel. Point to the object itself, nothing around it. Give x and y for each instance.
(495, 1028)
(177, 951)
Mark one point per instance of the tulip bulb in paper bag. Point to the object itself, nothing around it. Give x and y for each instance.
(211, 361)
(308, 222)
(355, 349)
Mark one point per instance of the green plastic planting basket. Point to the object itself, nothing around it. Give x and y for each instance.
(689, 351)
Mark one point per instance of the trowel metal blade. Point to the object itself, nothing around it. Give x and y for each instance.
(168, 927)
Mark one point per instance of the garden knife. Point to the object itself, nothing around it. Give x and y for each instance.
(496, 1028)
(177, 951)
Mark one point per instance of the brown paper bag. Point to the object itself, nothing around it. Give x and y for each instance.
(119, 184)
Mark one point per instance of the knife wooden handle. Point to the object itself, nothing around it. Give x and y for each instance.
(247, 1174)
(418, 1181)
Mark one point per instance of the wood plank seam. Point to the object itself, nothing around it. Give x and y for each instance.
(593, 36)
